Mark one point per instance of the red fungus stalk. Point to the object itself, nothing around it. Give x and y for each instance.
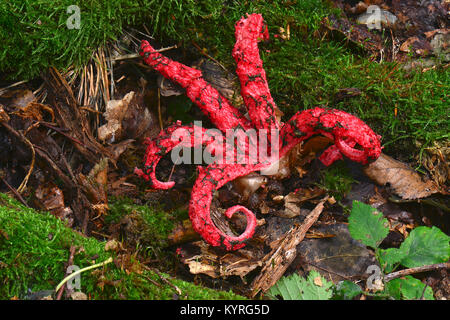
(254, 88)
(221, 113)
(352, 137)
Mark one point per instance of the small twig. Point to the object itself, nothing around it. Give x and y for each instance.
(165, 280)
(137, 55)
(105, 78)
(146, 30)
(330, 271)
(27, 142)
(423, 292)
(90, 109)
(23, 185)
(120, 79)
(208, 56)
(18, 195)
(60, 131)
(69, 263)
(153, 281)
(429, 201)
(171, 172)
(111, 74)
(405, 272)
(38, 90)
(125, 57)
(101, 234)
(159, 109)
(144, 34)
(2, 90)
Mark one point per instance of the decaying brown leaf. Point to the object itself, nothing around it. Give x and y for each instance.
(118, 148)
(126, 118)
(291, 207)
(338, 257)
(215, 264)
(405, 182)
(346, 93)
(114, 114)
(183, 232)
(293, 201)
(309, 152)
(436, 160)
(19, 98)
(51, 198)
(416, 45)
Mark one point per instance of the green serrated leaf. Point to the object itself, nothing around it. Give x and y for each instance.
(316, 287)
(287, 288)
(294, 287)
(347, 290)
(425, 246)
(390, 257)
(367, 225)
(408, 288)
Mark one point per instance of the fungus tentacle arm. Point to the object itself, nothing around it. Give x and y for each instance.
(346, 130)
(174, 136)
(219, 110)
(209, 180)
(254, 88)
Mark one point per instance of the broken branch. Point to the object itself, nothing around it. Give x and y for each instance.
(406, 272)
(280, 258)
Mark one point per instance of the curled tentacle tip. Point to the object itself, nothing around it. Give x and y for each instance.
(144, 43)
(231, 211)
(251, 221)
(162, 185)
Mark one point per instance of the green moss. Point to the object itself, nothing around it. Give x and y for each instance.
(34, 248)
(337, 180)
(34, 34)
(147, 225)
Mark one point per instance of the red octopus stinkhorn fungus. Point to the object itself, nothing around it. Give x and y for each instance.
(346, 130)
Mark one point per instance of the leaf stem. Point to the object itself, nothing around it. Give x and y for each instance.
(72, 275)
